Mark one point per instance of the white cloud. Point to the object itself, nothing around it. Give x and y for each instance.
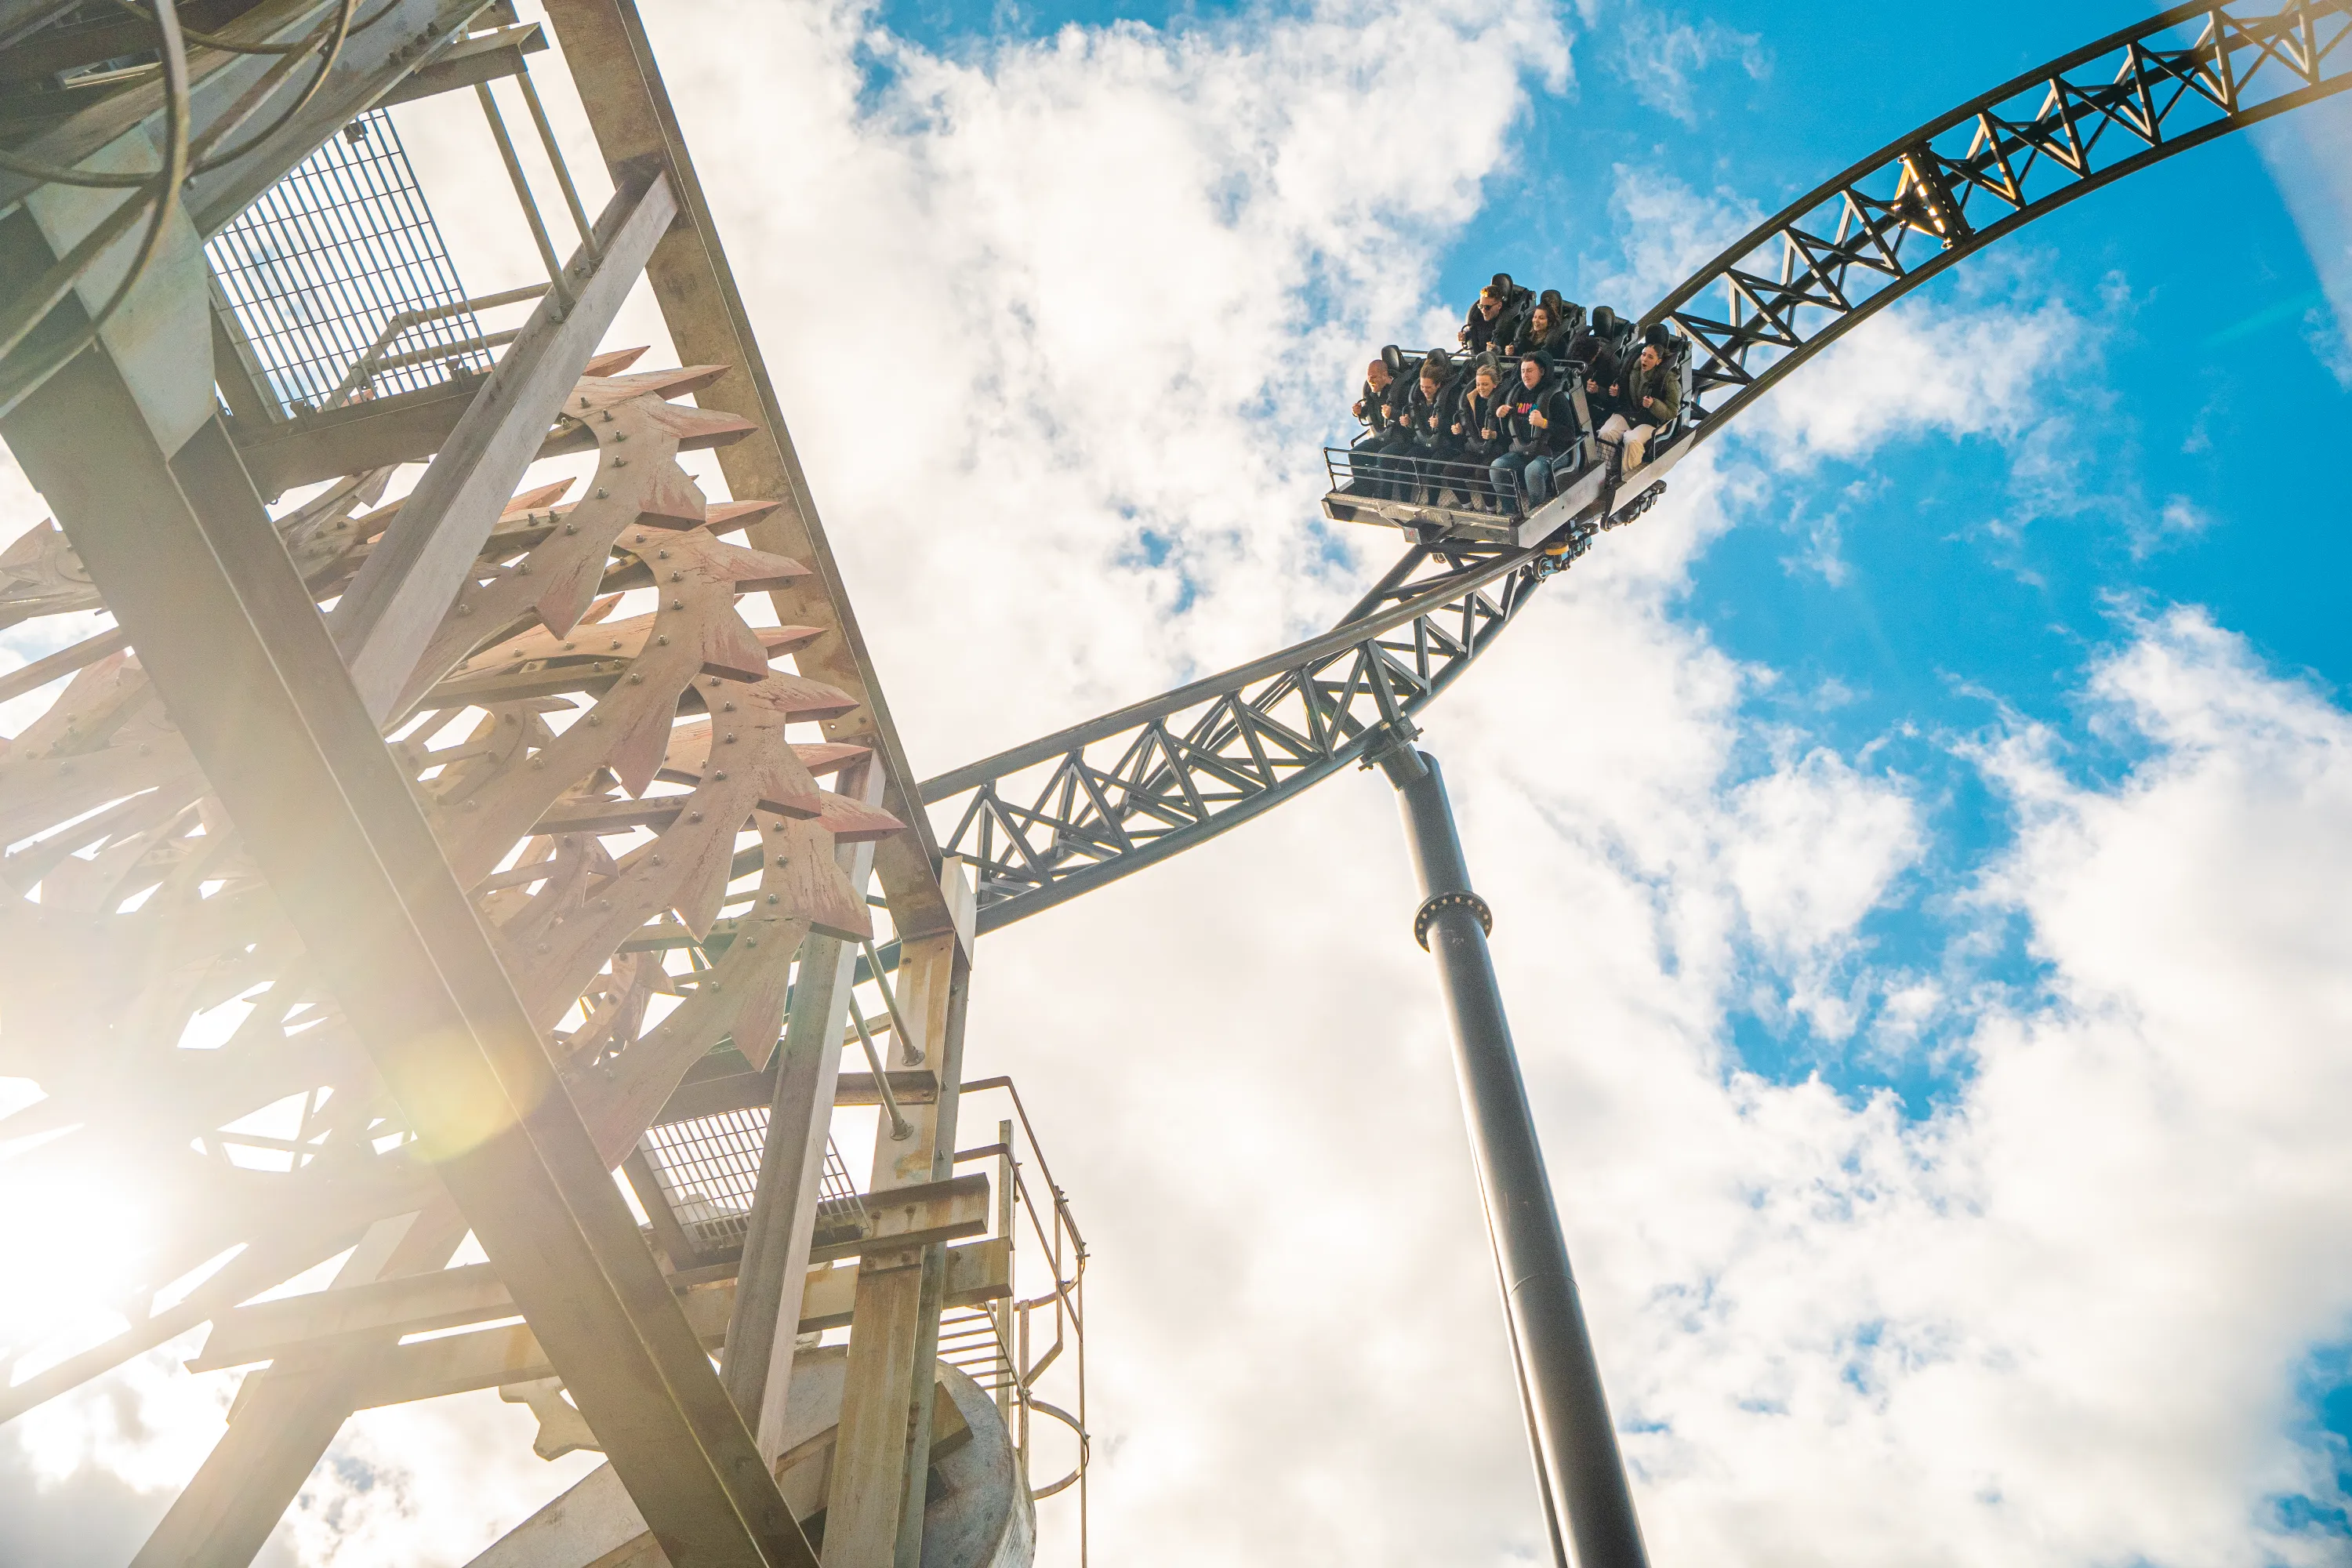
(1668, 231)
(1997, 367)
(2305, 154)
(1661, 56)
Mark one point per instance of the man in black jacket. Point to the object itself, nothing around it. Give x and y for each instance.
(1381, 409)
(1493, 321)
(1541, 418)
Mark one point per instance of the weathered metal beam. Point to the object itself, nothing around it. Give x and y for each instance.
(18, 17)
(326, 1321)
(976, 1273)
(628, 107)
(750, 1091)
(407, 427)
(803, 1072)
(885, 1402)
(409, 580)
(285, 1417)
(485, 57)
(191, 568)
(217, 80)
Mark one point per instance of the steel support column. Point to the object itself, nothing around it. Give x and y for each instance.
(886, 1397)
(1577, 1462)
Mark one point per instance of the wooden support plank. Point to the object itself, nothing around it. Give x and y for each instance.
(237, 651)
(408, 581)
(628, 107)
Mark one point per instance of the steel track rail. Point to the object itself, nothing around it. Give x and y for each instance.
(1069, 811)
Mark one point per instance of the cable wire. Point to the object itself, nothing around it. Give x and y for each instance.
(206, 160)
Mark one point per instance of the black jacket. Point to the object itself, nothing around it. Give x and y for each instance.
(1555, 343)
(1431, 420)
(1478, 417)
(1368, 405)
(1601, 370)
(1551, 399)
(1482, 334)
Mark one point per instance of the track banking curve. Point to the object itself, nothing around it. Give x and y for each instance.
(1044, 822)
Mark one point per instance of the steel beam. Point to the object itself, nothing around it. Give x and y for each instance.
(408, 581)
(484, 57)
(407, 427)
(217, 81)
(758, 1366)
(1792, 285)
(1578, 1466)
(628, 107)
(188, 561)
(873, 1510)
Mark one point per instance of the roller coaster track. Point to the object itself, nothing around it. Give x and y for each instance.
(1047, 821)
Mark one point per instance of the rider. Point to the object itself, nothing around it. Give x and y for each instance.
(1652, 397)
(1478, 424)
(1493, 321)
(1380, 408)
(1429, 415)
(1541, 419)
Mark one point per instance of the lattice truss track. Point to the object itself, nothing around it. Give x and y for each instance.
(1064, 814)
(1860, 240)
(1052, 819)
(598, 734)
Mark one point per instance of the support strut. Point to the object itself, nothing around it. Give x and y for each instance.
(1578, 1467)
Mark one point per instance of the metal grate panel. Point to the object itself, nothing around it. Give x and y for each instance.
(708, 1169)
(317, 270)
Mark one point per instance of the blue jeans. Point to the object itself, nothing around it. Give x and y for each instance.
(1526, 475)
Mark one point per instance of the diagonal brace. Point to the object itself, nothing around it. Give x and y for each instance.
(397, 600)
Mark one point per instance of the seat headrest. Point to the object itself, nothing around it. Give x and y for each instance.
(1393, 357)
(1604, 322)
